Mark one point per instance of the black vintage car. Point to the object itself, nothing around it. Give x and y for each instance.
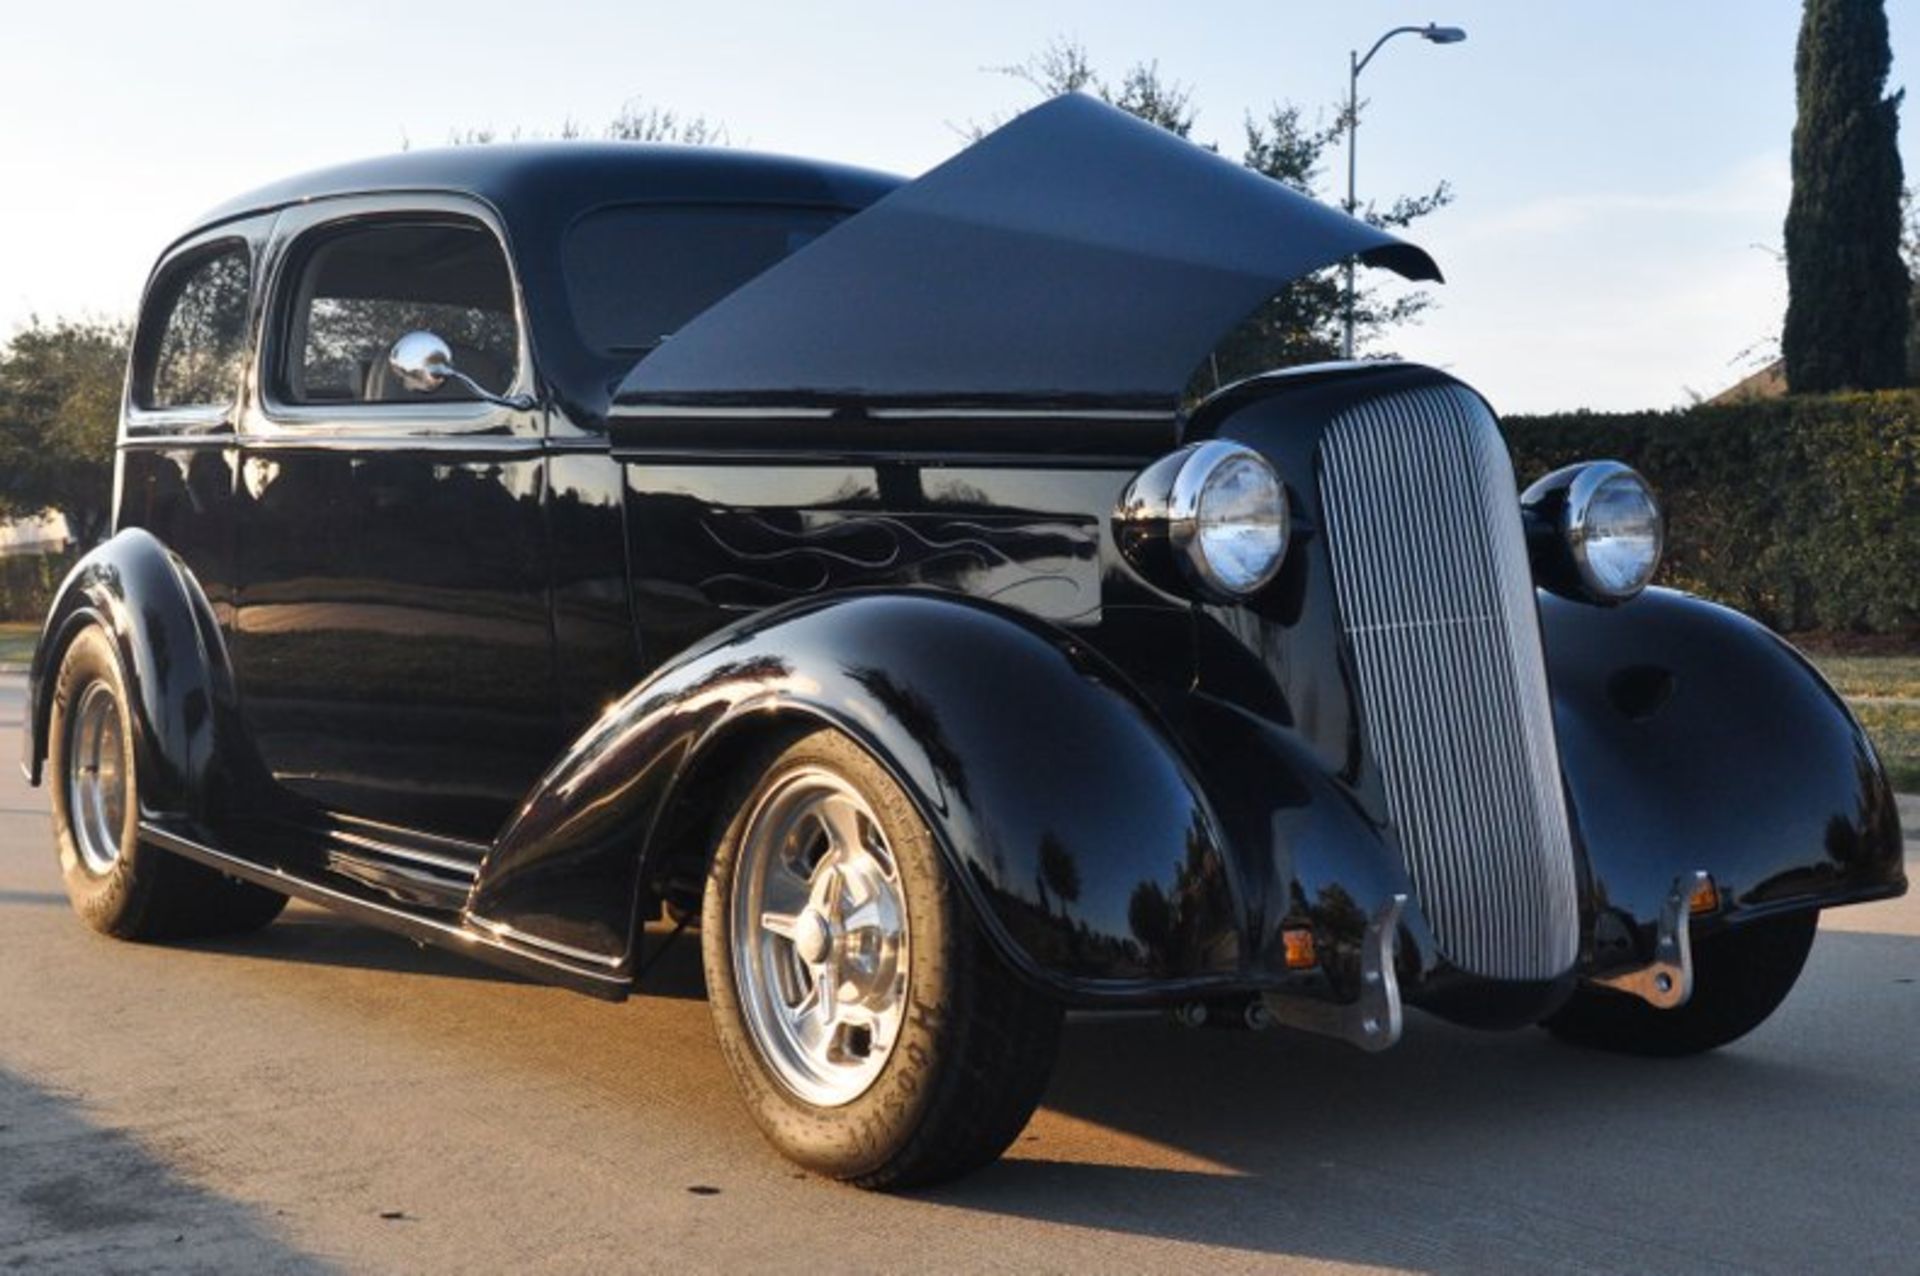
(517, 544)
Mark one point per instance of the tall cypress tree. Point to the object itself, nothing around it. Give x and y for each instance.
(1847, 287)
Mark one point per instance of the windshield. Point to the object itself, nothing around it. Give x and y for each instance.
(637, 272)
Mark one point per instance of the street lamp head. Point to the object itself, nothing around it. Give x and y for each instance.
(1443, 35)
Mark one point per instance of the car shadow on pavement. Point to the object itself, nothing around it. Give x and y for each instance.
(312, 937)
(1456, 1151)
(49, 898)
(75, 1197)
(1518, 1150)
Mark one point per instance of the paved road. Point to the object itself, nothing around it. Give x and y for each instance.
(326, 1098)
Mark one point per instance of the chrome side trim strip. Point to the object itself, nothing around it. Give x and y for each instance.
(505, 932)
(441, 865)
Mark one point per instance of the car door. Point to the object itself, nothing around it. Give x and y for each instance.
(392, 642)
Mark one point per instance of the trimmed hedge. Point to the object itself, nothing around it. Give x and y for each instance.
(1803, 512)
(27, 582)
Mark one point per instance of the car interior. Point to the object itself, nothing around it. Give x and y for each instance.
(363, 288)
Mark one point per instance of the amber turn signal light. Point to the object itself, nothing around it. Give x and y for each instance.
(1705, 897)
(1300, 952)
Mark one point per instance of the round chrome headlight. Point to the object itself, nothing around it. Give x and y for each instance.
(1613, 529)
(1227, 519)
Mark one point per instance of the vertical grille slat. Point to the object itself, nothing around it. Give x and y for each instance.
(1436, 599)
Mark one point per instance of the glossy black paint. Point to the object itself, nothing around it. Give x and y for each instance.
(1075, 253)
(537, 190)
(1543, 507)
(1691, 737)
(485, 675)
(1653, 776)
(393, 628)
(1060, 801)
(171, 659)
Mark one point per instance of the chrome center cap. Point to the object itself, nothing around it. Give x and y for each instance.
(812, 938)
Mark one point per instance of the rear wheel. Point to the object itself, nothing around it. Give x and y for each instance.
(1740, 977)
(119, 885)
(874, 1035)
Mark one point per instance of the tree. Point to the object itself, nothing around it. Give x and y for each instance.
(1911, 250)
(59, 410)
(1848, 291)
(636, 122)
(1302, 324)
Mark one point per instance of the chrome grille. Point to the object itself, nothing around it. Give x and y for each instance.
(1436, 598)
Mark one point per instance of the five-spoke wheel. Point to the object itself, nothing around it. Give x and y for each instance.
(821, 949)
(875, 1034)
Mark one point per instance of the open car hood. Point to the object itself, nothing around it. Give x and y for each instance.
(1075, 255)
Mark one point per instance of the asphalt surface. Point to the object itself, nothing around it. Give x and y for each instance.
(322, 1097)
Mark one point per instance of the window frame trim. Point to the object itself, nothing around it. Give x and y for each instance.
(277, 419)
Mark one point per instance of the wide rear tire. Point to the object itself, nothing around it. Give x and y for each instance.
(1740, 977)
(929, 1055)
(119, 885)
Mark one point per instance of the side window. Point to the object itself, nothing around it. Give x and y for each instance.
(194, 338)
(359, 290)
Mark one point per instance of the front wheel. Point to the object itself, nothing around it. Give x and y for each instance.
(1740, 977)
(874, 1035)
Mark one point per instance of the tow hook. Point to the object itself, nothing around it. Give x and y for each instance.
(1667, 981)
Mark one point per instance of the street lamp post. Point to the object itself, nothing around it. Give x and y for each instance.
(1355, 65)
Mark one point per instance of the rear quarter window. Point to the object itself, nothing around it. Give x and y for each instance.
(193, 338)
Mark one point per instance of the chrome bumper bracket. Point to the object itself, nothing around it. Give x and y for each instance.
(1373, 1020)
(1667, 981)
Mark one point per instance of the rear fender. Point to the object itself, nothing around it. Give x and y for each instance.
(1071, 821)
(171, 658)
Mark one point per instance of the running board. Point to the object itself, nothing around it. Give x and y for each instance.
(495, 949)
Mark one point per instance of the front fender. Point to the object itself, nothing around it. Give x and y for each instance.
(163, 631)
(1073, 824)
(1693, 738)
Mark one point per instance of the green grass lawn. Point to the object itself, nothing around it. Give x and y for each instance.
(16, 642)
(1883, 689)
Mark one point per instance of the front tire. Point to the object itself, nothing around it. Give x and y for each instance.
(874, 1035)
(119, 885)
(1740, 977)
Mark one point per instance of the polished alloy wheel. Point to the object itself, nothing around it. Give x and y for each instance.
(819, 937)
(96, 779)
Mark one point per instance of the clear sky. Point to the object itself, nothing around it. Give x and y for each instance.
(1621, 167)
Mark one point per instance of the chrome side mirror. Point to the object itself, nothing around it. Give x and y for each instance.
(423, 362)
